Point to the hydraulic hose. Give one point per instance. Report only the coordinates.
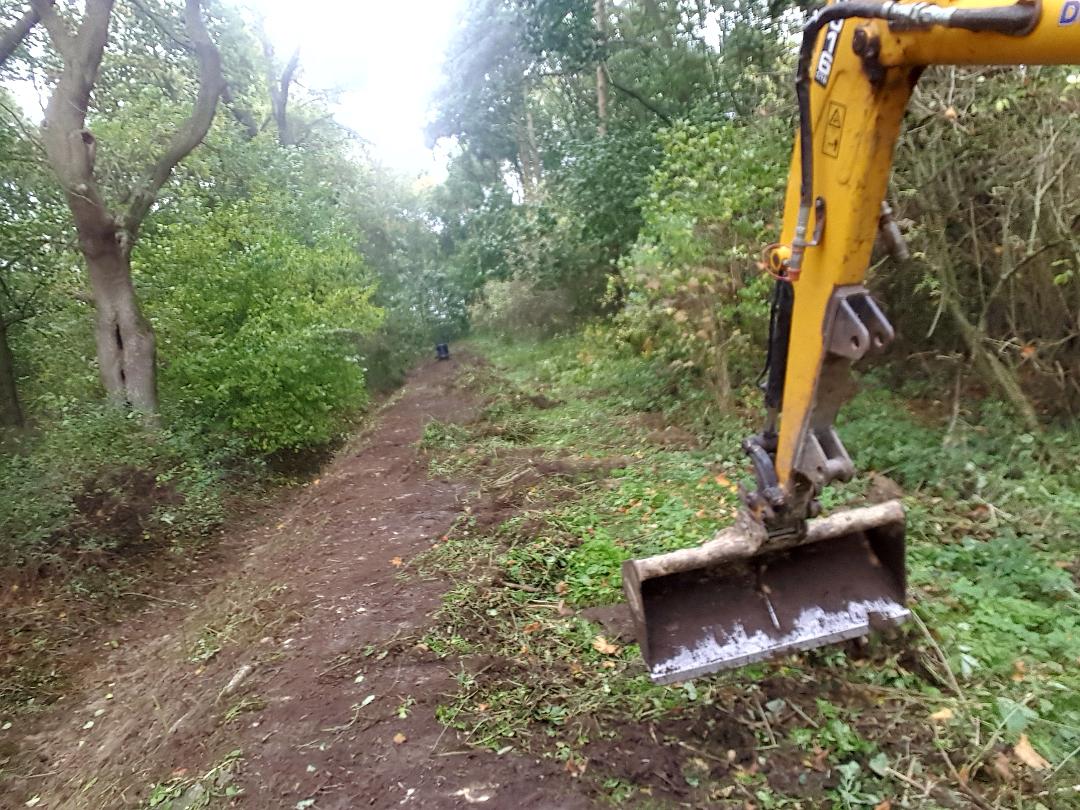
(837, 11)
(1014, 20)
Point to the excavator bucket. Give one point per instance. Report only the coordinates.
(740, 598)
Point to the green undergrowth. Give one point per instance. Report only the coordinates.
(102, 480)
(588, 456)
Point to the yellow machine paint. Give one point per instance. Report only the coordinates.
(1055, 40)
(781, 579)
(855, 129)
(856, 125)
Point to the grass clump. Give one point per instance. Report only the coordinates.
(443, 436)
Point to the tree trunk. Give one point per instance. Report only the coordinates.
(992, 369)
(124, 337)
(11, 414)
(279, 89)
(126, 348)
(534, 164)
(600, 11)
(528, 163)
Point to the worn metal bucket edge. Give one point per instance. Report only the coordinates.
(856, 631)
(747, 541)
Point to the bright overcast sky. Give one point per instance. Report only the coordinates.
(385, 57)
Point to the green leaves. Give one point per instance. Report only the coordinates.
(695, 298)
(258, 323)
(1014, 716)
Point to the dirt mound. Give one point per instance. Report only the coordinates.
(118, 506)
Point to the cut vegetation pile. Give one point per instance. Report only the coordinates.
(584, 460)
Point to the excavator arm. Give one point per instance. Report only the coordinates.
(858, 66)
(783, 578)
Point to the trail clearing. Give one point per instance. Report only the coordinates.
(436, 621)
(295, 682)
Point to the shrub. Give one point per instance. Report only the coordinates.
(521, 308)
(258, 326)
(694, 296)
(100, 479)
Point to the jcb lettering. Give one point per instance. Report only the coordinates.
(828, 51)
(1070, 12)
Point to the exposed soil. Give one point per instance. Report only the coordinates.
(663, 434)
(120, 505)
(302, 656)
(288, 670)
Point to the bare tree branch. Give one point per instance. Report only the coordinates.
(54, 23)
(192, 131)
(648, 105)
(17, 121)
(13, 37)
(164, 26)
(301, 136)
(242, 115)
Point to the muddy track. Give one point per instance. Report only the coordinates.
(303, 657)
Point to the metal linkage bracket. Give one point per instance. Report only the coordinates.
(854, 327)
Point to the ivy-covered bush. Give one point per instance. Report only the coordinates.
(695, 296)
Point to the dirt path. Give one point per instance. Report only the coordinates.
(303, 659)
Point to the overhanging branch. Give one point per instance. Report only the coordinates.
(163, 26)
(13, 37)
(644, 102)
(192, 131)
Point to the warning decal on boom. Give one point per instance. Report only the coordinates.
(834, 129)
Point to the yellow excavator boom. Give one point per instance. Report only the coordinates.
(862, 74)
(782, 578)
